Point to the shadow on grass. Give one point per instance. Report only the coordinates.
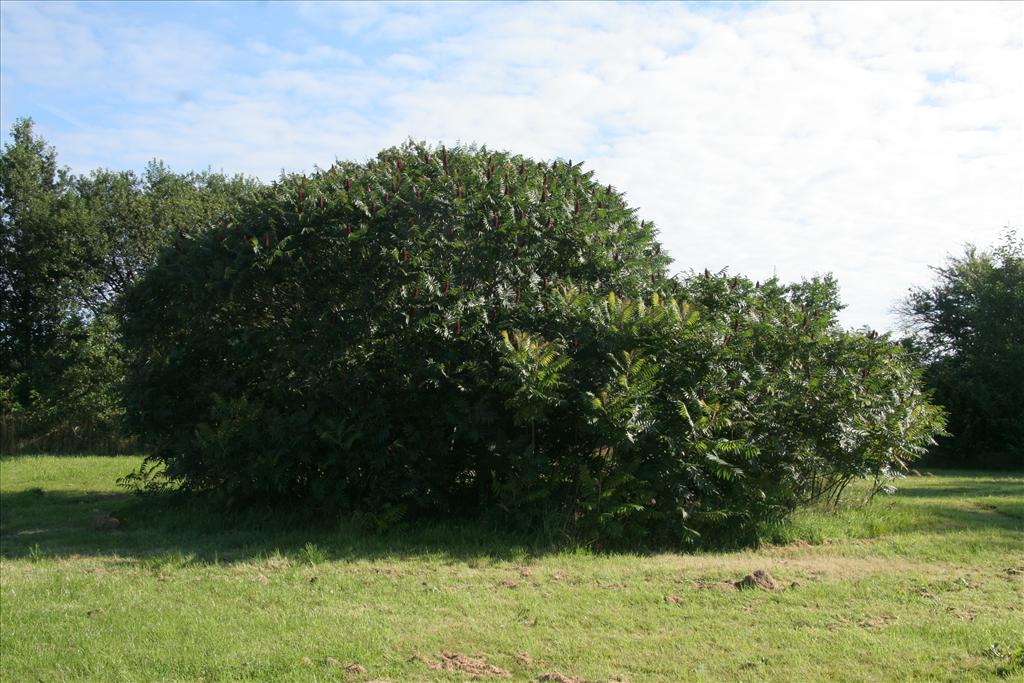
(977, 516)
(38, 523)
(975, 487)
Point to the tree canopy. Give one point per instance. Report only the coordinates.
(69, 247)
(968, 327)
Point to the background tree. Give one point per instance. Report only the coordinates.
(69, 247)
(968, 327)
(42, 261)
(130, 218)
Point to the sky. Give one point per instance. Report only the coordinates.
(864, 140)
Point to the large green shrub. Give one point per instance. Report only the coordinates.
(713, 411)
(461, 332)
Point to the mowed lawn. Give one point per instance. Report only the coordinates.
(927, 584)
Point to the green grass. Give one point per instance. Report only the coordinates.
(924, 585)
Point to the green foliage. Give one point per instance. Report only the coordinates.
(69, 246)
(39, 262)
(969, 329)
(701, 415)
(342, 333)
(312, 554)
(75, 402)
(466, 332)
(35, 553)
(130, 219)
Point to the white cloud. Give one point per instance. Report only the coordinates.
(409, 62)
(866, 140)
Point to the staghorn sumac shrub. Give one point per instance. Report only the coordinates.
(708, 413)
(457, 332)
(339, 338)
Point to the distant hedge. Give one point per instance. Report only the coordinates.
(460, 332)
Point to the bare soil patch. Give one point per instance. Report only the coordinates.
(474, 667)
(758, 579)
(555, 677)
(877, 621)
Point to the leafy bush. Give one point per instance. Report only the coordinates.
(711, 412)
(461, 332)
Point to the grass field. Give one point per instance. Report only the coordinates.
(924, 585)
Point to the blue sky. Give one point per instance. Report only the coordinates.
(866, 140)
